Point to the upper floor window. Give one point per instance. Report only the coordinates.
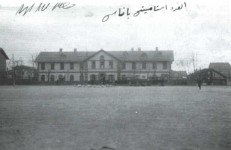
(71, 65)
(102, 62)
(43, 66)
(81, 66)
(61, 66)
(133, 65)
(165, 65)
(123, 65)
(111, 64)
(154, 65)
(52, 66)
(93, 66)
(144, 65)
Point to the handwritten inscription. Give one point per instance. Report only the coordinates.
(127, 12)
(23, 10)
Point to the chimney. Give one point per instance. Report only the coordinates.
(60, 50)
(132, 49)
(139, 49)
(75, 50)
(157, 48)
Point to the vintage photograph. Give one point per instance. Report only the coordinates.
(115, 75)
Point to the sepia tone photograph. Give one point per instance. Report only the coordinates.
(115, 75)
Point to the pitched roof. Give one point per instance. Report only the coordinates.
(220, 65)
(3, 53)
(63, 56)
(121, 55)
(143, 55)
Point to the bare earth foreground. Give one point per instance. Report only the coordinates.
(120, 118)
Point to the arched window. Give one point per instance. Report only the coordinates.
(71, 77)
(93, 77)
(111, 78)
(42, 78)
(101, 57)
(52, 77)
(124, 77)
(143, 56)
(61, 77)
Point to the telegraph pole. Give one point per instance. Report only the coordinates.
(13, 68)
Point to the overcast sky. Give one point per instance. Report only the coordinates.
(203, 27)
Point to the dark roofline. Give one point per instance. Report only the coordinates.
(93, 53)
(3, 53)
(24, 67)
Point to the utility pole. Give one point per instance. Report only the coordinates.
(13, 68)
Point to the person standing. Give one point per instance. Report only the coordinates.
(199, 83)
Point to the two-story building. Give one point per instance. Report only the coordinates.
(103, 66)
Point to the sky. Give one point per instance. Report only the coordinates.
(200, 29)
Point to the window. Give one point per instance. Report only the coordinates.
(133, 65)
(154, 65)
(52, 78)
(81, 78)
(81, 66)
(71, 66)
(111, 64)
(165, 65)
(124, 77)
(144, 65)
(143, 56)
(93, 64)
(43, 66)
(101, 62)
(93, 77)
(52, 66)
(123, 65)
(61, 66)
(42, 78)
(111, 78)
(71, 77)
(61, 77)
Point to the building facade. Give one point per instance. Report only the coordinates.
(222, 67)
(3, 58)
(103, 66)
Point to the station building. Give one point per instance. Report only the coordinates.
(103, 66)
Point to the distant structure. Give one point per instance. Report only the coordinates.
(222, 67)
(103, 66)
(23, 72)
(178, 74)
(3, 58)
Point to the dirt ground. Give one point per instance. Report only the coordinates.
(119, 118)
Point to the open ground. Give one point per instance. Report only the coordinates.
(120, 118)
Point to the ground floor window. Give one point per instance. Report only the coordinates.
(42, 78)
(52, 78)
(61, 77)
(111, 78)
(71, 77)
(124, 77)
(81, 77)
(93, 77)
